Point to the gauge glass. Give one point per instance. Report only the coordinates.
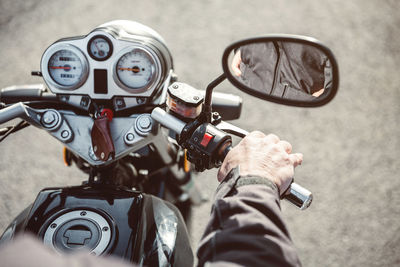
(66, 68)
(136, 69)
(100, 48)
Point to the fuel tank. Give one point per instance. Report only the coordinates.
(103, 220)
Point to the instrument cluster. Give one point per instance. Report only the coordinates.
(104, 65)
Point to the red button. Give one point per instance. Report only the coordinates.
(206, 139)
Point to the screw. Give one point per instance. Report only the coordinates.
(83, 213)
(64, 134)
(53, 225)
(95, 148)
(130, 137)
(102, 155)
(175, 86)
(196, 97)
(105, 229)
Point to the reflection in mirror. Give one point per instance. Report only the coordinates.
(283, 69)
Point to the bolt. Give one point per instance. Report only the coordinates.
(49, 117)
(196, 97)
(130, 137)
(83, 213)
(102, 155)
(105, 229)
(175, 86)
(64, 134)
(95, 148)
(145, 122)
(119, 102)
(53, 225)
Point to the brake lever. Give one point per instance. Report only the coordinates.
(231, 129)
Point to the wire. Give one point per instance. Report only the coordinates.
(12, 129)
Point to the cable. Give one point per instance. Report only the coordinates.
(12, 129)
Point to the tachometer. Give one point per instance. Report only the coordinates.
(136, 69)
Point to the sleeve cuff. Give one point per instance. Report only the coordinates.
(233, 181)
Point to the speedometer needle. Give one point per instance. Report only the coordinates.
(56, 67)
(130, 69)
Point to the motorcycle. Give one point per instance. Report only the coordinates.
(113, 100)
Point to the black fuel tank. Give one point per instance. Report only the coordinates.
(108, 221)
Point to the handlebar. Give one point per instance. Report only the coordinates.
(296, 194)
(35, 92)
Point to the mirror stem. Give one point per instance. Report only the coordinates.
(208, 97)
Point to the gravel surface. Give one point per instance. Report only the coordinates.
(350, 145)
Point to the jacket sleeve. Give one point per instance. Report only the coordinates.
(246, 227)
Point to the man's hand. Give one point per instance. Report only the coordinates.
(237, 59)
(265, 156)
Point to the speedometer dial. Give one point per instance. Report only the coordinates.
(66, 68)
(136, 69)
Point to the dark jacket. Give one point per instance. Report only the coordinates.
(246, 227)
(288, 70)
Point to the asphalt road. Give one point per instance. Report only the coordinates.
(350, 146)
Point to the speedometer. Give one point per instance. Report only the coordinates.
(136, 69)
(66, 67)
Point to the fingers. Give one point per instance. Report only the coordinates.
(256, 134)
(286, 146)
(271, 138)
(296, 158)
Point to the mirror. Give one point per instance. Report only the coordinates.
(292, 70)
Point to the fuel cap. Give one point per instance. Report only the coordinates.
(77, 230)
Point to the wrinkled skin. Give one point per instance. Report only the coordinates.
(265, 156)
